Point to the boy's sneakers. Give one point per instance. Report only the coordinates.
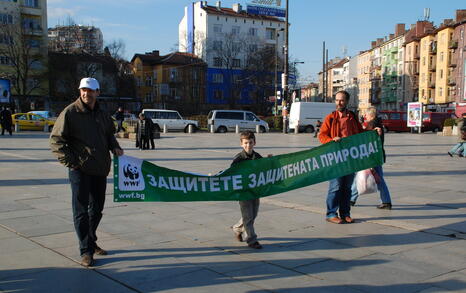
(255, 245)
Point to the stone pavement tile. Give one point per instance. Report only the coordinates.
(139, 269)
(391, 241)
(269, 276)
(6, 234)
(454, 281)
(66, 239)
(327, 248)
(33, 260)
(376, 273)
(450, 255)
(38, 225)
(22, 213)
(16, 244)
(9, 206)
(73, 279)
(202, 280)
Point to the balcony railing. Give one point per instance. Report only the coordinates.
(453, 44)
(452, 64)
(433, 49)
(432, 68)
(451, 82)
(432, 84)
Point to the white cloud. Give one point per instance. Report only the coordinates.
(57, 12)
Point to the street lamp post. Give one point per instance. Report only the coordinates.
(276, 70)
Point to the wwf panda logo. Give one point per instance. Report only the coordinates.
(131, 171)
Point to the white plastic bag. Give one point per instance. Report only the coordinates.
(365, 182)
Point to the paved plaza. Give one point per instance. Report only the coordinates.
(418, 246)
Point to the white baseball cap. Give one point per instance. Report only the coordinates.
(90, 83)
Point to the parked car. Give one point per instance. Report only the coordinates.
(172, 119)
(397, 121)
(31, 121)
(304, 115)
(226, 120)
(46, 114)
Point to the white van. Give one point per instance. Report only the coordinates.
(226, 120)
(304, 115)
(172, 119)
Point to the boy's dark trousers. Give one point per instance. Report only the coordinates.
(88, 198)
(249, 210)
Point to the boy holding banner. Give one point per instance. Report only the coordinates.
(249, 208)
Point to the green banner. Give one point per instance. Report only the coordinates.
(139, 180)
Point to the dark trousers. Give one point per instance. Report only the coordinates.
(7, 127)
(88, 198)
(120, 126)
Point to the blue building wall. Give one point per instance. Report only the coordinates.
(245, 95)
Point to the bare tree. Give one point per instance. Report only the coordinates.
(22, 52)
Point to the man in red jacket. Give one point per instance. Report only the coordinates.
(338, 124)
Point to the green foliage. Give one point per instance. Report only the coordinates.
(274, 122)
(201, 119)
(449, 122)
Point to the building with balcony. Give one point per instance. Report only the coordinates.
(428, 52)
(23, 40)
(444, 65)
(412, 59)
(243, 51)
(350, 82)
(457, 80)
(76, 39)
(174, 81)
(364, 82)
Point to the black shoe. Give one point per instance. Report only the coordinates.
(352, 203)
(385, 206)
(255, 245)
(450, 154)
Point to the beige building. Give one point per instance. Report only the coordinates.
(24, 41)
(364, 80)
(444, 65)
(427, 68)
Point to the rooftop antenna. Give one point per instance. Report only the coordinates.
(426, 13)
(344, 51)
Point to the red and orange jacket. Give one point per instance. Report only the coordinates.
(331, 126)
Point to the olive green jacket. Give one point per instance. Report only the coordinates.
(83, 138)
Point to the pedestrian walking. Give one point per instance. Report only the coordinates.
(6, 121)
(372, 122)
(82, 139)
(244, 228)
(459, 148)
(120, 117)
(143, 128)
(318, 126)
(338, 124)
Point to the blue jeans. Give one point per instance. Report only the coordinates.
(458, 149)
(88, 198)
(382, 186)
(338, 197)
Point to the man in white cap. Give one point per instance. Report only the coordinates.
(82, 138)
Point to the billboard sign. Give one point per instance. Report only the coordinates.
(414, 114)
(267, 11)
(5, 90)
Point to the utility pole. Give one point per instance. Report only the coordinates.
(323, 73)
(285, 71)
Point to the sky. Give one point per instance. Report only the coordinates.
(146, 25)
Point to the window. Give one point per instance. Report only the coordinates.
(236, 63)
(253, 31)
(236, 47)
(31, 3)
(31, 23)
(441, 56)
(217, 28)
(173, 74)
(270, 33)
(5, 60)
(36, 64)
(441, 73)
(33, 43)
(235, 30)
(251, 117)
(217, 45)
(218, 94)
(148, 80)
(6, 39)
(236, 78)
(218, 62)
(424, 61)
(217, 78)
(440, 91)
(148, 97)
(6, 18)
